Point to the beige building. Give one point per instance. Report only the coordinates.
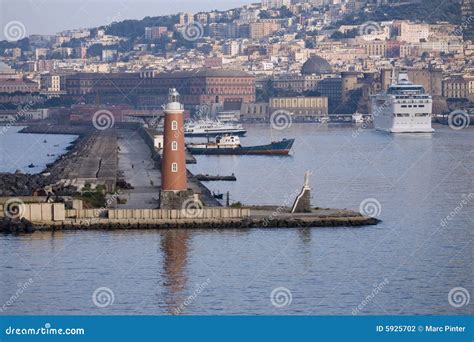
(9, 85)
(470, 86)
(262, 29)
(455, 87)
(413, 33)
(298, 83)
(376, 48)
(301, 108)
(258, 111)
(274, 4)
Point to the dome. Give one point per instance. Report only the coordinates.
(316, 65)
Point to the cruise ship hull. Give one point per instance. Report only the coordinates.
(406, 131)
(389, 115)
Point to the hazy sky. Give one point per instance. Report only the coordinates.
(51, 16)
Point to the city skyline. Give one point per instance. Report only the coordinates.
(64, 15)
(309, 158)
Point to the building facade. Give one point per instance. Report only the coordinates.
(263, 29)
(149, 90)
(13, 85)
(456, 88)
(301, 108)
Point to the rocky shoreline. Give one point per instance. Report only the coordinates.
(21, 184)
(23, 226)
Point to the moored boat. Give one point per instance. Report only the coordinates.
(357, 118)
(230, 145)
(204, 128)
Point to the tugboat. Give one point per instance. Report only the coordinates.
(31, 166)
(230, 145)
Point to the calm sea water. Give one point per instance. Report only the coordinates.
(18, 151)
(406, 265)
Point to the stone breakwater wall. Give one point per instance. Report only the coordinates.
(25, 226)
(68, 166)
(20, 184)
(54, 216)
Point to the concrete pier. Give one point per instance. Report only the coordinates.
(99, 164)
(54, 216)
(137, 167)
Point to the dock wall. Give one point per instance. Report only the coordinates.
(56, 212)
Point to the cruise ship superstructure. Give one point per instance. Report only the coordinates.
(403, 108)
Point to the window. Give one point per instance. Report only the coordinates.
(174, 167)
(174, 146)
(174, 125)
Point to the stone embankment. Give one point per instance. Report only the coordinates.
(20, 184)
(227, 218)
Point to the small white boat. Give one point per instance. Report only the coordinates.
(357, 118)
(207, 127)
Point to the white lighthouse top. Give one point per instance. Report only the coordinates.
(173, 100)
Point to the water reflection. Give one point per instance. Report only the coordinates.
(174, 246)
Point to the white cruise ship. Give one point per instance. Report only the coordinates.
(208, 127)
(403, 108)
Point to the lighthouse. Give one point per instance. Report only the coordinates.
(174, 185)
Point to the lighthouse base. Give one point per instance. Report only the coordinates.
(176, 199)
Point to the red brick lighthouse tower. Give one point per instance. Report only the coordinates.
(174, 185)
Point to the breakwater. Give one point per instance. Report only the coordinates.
(91, 158)
(28, 218)
(22, 184)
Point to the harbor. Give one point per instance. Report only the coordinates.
(159, 191)
(175, 260)
(54, 217)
